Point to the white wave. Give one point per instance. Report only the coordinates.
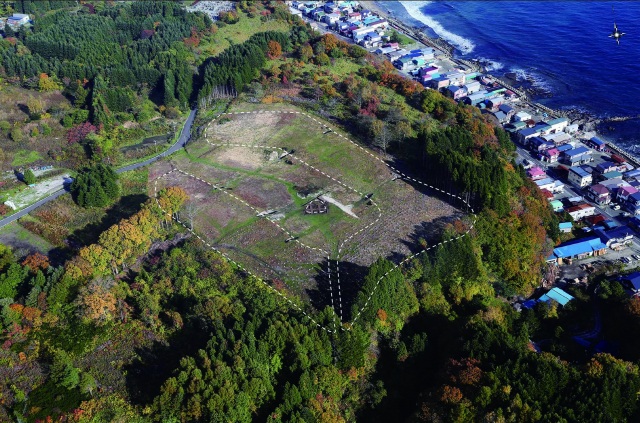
(413, 9)
(537, 81)
(490, 65)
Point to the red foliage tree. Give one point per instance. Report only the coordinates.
(36, 261)
(79, 132)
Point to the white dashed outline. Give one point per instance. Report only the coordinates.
(340, 247)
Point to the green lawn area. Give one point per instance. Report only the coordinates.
(227, 35)
(16, 236)
(25, 157)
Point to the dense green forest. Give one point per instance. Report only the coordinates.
(148, 325)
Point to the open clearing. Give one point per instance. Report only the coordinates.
(257, 167)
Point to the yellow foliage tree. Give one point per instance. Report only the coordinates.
(45, 83)
(96, 302)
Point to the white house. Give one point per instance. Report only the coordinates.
(456, 78)
(579, 177)
(17, 20)
(581, 210)
(522, 116)
(558, 124)
(573, 128)
(472, 87)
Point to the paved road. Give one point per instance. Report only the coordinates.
(180, 143)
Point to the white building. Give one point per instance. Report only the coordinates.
(579, 177)
(472, 87)
(558, 124)
(522, 116)
(581, 210)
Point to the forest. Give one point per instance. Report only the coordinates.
(146, 324)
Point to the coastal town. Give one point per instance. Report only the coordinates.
(593, 186)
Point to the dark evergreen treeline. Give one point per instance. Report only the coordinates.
(38, 7)
(83, 46)
(239, 64)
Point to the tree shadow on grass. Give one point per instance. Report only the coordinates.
(326, 292)
(123, 209)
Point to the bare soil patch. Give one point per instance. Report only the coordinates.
(240, 157)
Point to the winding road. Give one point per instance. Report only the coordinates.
(180, 143)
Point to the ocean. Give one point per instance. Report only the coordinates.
(561, 47)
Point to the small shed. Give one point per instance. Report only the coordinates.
(565, 227)
(558, 295)
(557, 206)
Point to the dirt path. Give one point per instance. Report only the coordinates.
(346, 209)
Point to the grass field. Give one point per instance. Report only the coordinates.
(228, 35)
(239, 161)
(25, 157)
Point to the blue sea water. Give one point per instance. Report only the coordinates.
(563, 46)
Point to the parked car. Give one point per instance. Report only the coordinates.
(616, 207)
(626, 214)
(635, 256)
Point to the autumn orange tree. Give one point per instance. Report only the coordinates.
(274, 49)
(36, 261)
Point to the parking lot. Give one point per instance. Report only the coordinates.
(583, 268)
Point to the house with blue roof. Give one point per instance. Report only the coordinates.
(577, 156)
(632, 282)
(578, 249)
(564, 147)
(558, 295)
(606, 166)
(631, 174)
(565, 227)
(616, 237)
(579, 177)
(525, 134)
(598, 144)
(543, 128)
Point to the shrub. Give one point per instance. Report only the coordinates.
(46, 129)
(29, 177)
(4, 125)
(17, 135)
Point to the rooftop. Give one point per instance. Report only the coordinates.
(576, 247)
(577, 151)
(579, 171)
(599, 189)
(613, 174)
(621, 232)
(633, 279)
(597, 141)
(565, 225)
(557, 121)
(557, 295)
